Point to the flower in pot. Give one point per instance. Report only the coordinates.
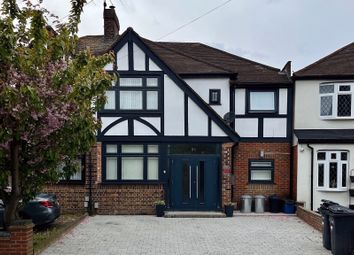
(160, 206)
(229, 209)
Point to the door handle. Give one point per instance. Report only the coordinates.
(190, 181)
(197, 181)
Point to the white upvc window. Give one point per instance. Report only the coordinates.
(332, 170)
(336, 100)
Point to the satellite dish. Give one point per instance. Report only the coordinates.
(229, 117)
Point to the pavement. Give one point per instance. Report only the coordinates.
(151, 235)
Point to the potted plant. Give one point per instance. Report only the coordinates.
(160, 206)
(229, 209)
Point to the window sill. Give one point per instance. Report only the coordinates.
(132, 182)
(336, 118)
(214, 103)
(332, 190)
(261, 182)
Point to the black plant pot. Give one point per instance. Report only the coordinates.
(229, 210)
(160, 210)
(352, 178)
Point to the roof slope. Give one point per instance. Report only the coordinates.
(338, 63)
(197, 58)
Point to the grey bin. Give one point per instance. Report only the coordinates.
(259, 203)
(246, 203)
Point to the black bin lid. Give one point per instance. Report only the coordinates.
(338, 210)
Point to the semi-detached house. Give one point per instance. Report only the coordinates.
(185, 122)
(324, 129)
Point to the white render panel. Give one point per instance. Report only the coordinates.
(108, 67)
(283, 101)
(123, 59)
(202, 87)
(139, 58)
(247, 127)
(307, 108)
(216, 130)
(174, 108)
(153, 66)
(197, 120)
(240, 101)
(121, 129)
(274, 127)
(304, 175)
(106, 121)
(142, 129)
(156, 122)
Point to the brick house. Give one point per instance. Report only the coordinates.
(324, 134)
(185, 122)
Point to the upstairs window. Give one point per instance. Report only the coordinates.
(214, 96)
(336, 100)
(262, 101)
(134, 94)
(332, 170)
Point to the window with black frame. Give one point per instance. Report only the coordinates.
(131, 162)
(78, 176)
(262, 101)
(261, 171)
(134, 94)
(214, 96)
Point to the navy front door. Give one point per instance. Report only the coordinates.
(194, 182)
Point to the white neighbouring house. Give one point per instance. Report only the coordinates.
(324, 129)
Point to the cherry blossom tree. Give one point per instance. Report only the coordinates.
(49, 94)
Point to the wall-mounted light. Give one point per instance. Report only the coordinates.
(302, 149)
(261, 153)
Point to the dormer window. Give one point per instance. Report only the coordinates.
(336, 100)
(214, 96)
(134, 94)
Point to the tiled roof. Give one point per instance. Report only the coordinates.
(339, 63)
(197, 58)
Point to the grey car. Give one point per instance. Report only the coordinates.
(43, 209)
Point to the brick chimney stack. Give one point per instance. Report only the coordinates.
(111, 23)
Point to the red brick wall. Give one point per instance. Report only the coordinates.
(111, 199)
(19, 240)
(226, 173)
(279, 152)
(310, 217)
(71, 197)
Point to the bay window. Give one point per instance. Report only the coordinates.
(130, 162)
(134, 94)
(336, 100)
(332, 170)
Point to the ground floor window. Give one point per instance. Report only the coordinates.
(332, 170)
(261, 171)
(78, 175)
(131, 162)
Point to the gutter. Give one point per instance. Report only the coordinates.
(311, 203)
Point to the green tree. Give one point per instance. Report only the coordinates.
(49, 94)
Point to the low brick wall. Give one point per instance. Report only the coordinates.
(18, 240)
(310, 217)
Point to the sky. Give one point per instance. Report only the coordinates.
(267, 31)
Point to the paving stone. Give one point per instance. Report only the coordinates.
(149, 235)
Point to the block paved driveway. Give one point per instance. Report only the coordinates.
(151, 235)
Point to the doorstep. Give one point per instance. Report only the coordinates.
(238, 213)
(194, 214)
